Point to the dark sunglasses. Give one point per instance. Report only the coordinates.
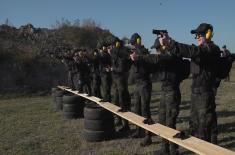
(199, 35)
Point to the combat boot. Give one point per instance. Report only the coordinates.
(104, 100)
(122, 110)
(148, 121)
(89, 95)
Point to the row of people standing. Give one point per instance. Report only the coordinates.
(96, 72)
(107, 66)
(171, 70)
(114, 67)
(206, 66)
(78, 67)
(111, 62)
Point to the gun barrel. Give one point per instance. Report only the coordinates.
(158, 32)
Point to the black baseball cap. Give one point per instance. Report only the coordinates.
(134, 37)
(202, 28)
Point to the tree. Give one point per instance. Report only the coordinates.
(8, 23)
(90, 23)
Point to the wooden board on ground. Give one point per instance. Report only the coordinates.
(192, 143)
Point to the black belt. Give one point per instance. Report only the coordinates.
(170, 88)
(201, 89)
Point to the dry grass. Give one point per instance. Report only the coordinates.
(29, 125)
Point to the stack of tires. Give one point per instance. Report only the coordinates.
(53, 92)
(58, 99)
(73, 106)
(98, 123)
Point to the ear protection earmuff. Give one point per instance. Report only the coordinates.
(138, 41)
(117, 44)
(209, 34)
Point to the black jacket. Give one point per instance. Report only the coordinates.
(105, 61)
(120, 61)
(204, 62)
(95, 64)
(171, 68)
(70, 65)
(83, 66)
(141, 70)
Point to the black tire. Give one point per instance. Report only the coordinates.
(53, 98)
(59, 103)
(96, 136)
(59, 93)
(71, 115)
(99, 125)
(73, 106)
(73, 99)
(95, 112)
(53, 90)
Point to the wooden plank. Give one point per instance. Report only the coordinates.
(192, 143)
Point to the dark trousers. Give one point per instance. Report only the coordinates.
(106, 82)
(121, 96)
(71, 80)
(168, 112)
(82, 83)
(142, 97)
(203, 122)
(96, 82)
(121, 93)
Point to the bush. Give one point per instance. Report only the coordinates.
(25, 64)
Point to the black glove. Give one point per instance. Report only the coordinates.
(148, 121)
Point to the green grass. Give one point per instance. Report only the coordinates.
(29, 125)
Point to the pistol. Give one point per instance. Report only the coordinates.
(159, 32)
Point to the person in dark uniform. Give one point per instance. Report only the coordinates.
(171, 72)
(142, 95)
(69, 63)
(120, 67)
(110, 40)
(227, 57)
(83, 72)
(204, 64)
(105, 71)
(95, 74)
(226, 53)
